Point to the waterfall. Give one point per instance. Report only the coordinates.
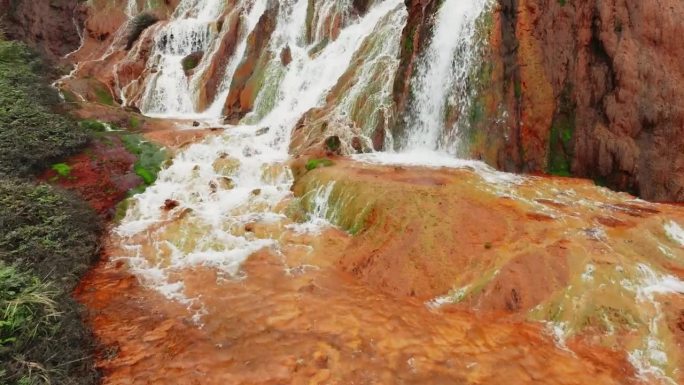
(231, 180)
(191, 30)
(131, 8)
(441, 81)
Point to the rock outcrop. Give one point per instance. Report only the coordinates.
(591, 89)
(50, 27)
(249, 75)
(517, 248)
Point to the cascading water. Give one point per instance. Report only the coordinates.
(191, 30)
(231, 180)
(442, 77)
(131, 8)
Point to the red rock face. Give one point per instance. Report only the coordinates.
(48, 26)
(594, 89)
(214, 74)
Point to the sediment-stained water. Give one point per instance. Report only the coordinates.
(296, 319)
(246, 264)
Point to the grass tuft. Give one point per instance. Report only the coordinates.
(48, 239)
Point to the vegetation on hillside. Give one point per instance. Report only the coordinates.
(47, 240)
(32, 136)
(48, 237)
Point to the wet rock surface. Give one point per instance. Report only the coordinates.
(316, 325)
(102, 174)
(432, 275)
(471, 291)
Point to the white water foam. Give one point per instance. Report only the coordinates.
(443, 70)
(436, 159)
(207, 232)
(650, 359)
(675, 232)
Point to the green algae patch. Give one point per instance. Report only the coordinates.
(150, 156)
(339, 202)
(561, 147)
(313, 164)
(268, 90)
(103, 94)
(94, 126)
(62, 169)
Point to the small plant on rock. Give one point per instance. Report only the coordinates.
(62, 169)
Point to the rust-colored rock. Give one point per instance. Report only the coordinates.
(213, 76)
(50, 27)
(593, 90)
(248, 76)
(170, 204)
(103, 174)
(316, 325)
(286, 56)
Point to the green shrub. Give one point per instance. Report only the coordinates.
(139, 24)
(32, 137)
(49, 231)
(26, 304)
(27, 313)
(93, 125)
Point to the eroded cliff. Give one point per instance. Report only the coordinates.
(590, 89)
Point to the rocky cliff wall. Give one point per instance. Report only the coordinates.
(591, 89)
